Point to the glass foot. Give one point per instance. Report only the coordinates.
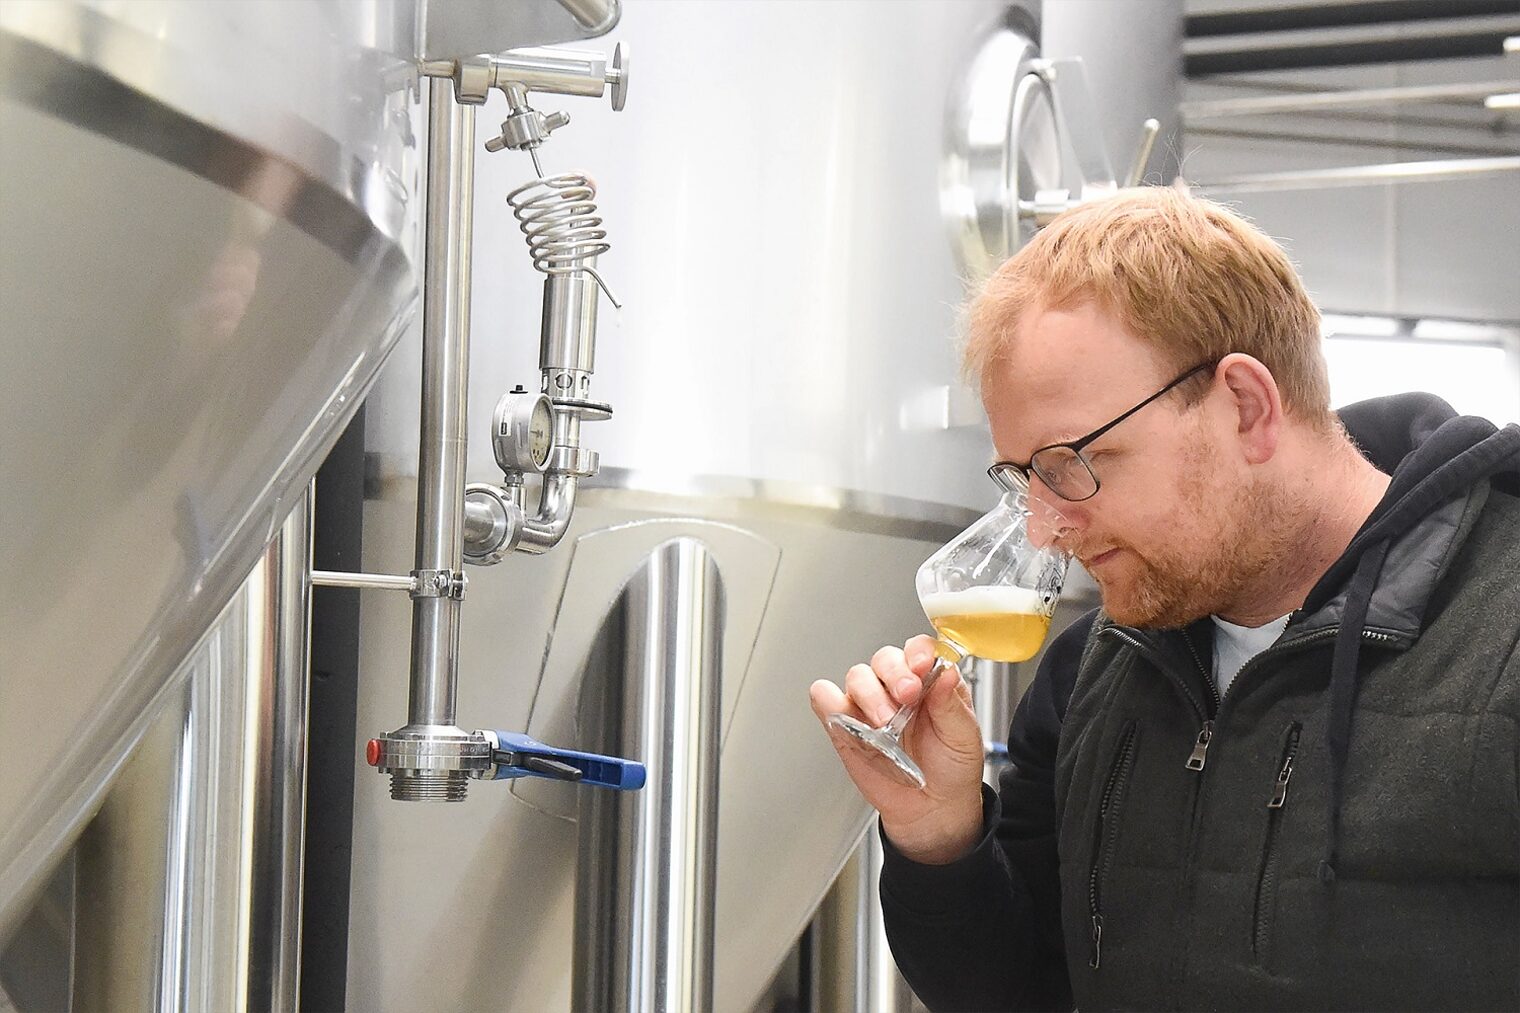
(883, 742)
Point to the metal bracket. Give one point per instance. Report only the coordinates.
(439, 584)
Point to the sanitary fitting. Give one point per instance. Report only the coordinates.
(430, 763)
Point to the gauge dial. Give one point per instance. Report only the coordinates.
(523, 432)
(540, 432)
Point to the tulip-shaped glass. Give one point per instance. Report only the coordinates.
(989, 592)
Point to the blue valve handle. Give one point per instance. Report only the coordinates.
(595, 769)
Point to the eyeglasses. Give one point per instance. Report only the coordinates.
(1062, 466)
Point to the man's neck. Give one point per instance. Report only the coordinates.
(1325, 512)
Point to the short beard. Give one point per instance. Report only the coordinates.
(1246, 534)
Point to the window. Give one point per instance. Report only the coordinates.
(1474, 367)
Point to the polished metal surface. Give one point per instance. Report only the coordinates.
(561, 71)
(1269, 105)
(275, 737)
(189, 878)
(556, 505)
(204, 262)
(1360, 175)
(371, 581)
(1001, 146)
(774, 260)
(788, 817)
(37, 964)
(646, 885)
(467, 27)
(429, 758)
(593, 14)
(855, 972)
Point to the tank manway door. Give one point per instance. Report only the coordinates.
(1022, 144)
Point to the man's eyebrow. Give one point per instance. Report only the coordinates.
(1062, 436)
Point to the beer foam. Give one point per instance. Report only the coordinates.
(982, 601)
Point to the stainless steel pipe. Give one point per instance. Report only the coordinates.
(1360, 175)
(364, 581)
(645, 898)
(556, 504)
(596, 16)
(275, 744)
(854, 971)
(445, 375)
(189, 879)
(567, 341)
(1270, 105)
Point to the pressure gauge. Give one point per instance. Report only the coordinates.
(522, 431)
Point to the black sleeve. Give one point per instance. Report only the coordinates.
(984, 932)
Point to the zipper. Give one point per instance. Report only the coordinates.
(1161, 666)
(1203, 670)
(1198, 758)
(1106, 834)
(1201, 747)
(1280, 788)
(1266, 882)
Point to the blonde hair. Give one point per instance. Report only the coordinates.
(1187, 275)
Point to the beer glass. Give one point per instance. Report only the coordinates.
(989, 592)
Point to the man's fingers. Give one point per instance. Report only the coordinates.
(864, 688)
(919, 653)
(828, 699)
(891, 667)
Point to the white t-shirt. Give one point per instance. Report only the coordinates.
(1236, 645)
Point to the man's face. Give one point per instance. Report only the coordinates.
(1169, 536)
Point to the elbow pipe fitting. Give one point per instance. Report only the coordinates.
(495, 524)
(556, 503)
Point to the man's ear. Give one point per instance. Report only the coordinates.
(1257, 403)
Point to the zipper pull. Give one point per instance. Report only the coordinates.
(1097, 941)
(1280, 789)
(1201, 747)
(1285, 772)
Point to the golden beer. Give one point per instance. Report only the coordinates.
(996, 623)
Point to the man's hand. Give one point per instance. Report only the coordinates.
(943, 821)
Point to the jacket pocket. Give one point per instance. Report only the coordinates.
(1106, 831)
(1265, 906)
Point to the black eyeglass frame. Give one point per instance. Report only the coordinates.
(1013, 477)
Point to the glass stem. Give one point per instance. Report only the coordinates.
(905, 713)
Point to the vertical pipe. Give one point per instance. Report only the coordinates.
(202, 834)
(645, 906)
(275, 744)
(856, 972)
(445, 372)
(995, 691)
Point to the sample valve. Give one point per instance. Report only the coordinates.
(540, 433)
(431, 757)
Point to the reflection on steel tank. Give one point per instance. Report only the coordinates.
(785, 380)
(206, 257)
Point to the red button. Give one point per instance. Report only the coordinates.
(372, 752)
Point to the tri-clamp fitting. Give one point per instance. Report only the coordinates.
(433, 762)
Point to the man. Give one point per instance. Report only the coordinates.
(1278, 767)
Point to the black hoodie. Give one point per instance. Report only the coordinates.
(1341, 831)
